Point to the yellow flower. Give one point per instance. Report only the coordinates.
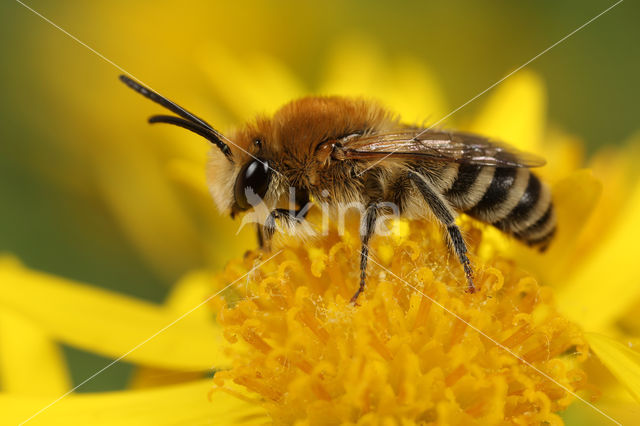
(416, 349)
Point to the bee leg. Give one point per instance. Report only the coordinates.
(266, 231)
(367, 227)
(260, 235)
(291, 217)
(460, 248)
(443, 212)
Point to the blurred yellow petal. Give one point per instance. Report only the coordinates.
(187, 293)
(31, 363)
(630, 323)
(575, 198)
(579, 192)
(215, 230)
(606, 285)
(405, 86)
(412, 92)
(354, 69)
(564, 153)
(192, 289)
(150, 377)
(257, 84)
(135, 187)
(622, 361)
(617, 169)
(187, 404)
(515, 113)
(110, 324)
(624, 412)
(191, 176)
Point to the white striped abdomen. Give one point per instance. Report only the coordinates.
(512, 199)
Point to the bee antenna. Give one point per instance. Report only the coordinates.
(161, 100)
(209, 134)
(190, 122)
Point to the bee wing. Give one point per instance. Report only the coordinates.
(446, 146)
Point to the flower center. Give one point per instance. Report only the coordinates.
(416, 348)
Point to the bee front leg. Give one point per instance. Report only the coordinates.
(289, 217)
(260, 235)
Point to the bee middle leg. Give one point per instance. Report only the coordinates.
(367, 228)
(443, 212)
(374, 206)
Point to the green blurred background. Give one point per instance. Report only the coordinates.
(55, 91)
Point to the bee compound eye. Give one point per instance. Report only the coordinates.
(252, 183)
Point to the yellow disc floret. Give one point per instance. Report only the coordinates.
(417, 349)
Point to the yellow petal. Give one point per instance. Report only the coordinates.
(137, 191)
(630, 322)
(616, 168)
(354, 69)
(564, 154)
(110, 324)
(605, 286)
(150, 377)
(626, 413)
(187, 293)
(257, 84)
(192, 289)
(186, 404)
(515, 112)
(408, 88)
(412, 91)
(622, 361)
(215, 230)
(31, 363)
(191, 176)
(579, 192)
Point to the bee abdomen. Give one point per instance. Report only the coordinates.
(533, 219)
(541, 232)
(513, 200)
(506, 189)
(469, 186)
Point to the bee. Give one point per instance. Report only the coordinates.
(338, 150)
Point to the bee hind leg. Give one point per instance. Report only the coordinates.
(444, 213)
(460, 248)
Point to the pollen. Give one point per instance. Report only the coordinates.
(416, 349)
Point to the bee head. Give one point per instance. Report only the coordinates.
(238, 180)
(245, 182)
